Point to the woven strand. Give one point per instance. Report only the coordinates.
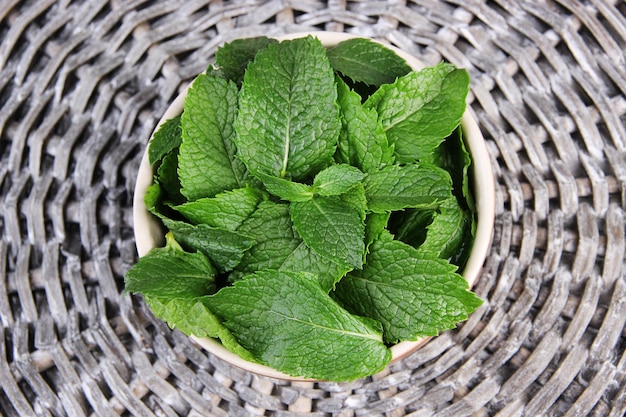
(82, 85)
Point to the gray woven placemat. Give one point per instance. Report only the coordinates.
(82, 84)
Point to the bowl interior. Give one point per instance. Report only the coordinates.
(149, 233)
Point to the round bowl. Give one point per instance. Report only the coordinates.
(149, 233)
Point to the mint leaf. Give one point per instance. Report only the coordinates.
(155, 204)
(375, 226)
(163, 156)
(167, 177)
(287, 322)
(303, 258)
(363, 60)
(447, 231)
(226, 210)
(275, 239)
(167, 138)
(453, 156)
(332, 228)
(421, 109)
(288, 120)
(337, 179)
(152, 199)
(207, 163)
(169, 272)
(356, 200)
(279, 247)
(286, 189)
(224, 248)
(233, 58)
(192, 317)
(397, 187)
(410, 294)
(362, 142)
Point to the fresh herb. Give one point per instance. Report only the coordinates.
(362, 60)
(206, 162)
(316, 203)
(419, 110)
(285, 319)
(416, 294)
(288, 120)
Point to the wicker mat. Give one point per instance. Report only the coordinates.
(82, 84)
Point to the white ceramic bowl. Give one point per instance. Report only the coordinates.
(149, 233)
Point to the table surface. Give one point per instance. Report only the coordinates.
(82, 85)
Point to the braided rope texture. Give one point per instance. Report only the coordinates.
(82, 85)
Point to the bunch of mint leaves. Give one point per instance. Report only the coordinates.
(316, 206)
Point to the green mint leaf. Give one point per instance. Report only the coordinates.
(289, 323)
(232, 58)
(225, 248)
(192, 317)
(207, 163)
(421, 109)
(375, 226)
(226, 210)
(163, 156)
(397, 187)
(449, 235)
(303, 258)
(275, 239)
(167, 177)
(332, 228)
(279, 247)
(355, 198)
(169, 272)
(463, 176)
(410, 294)
(453, 156)
(337, 179)
(446, 233)
(152, 199)
(288, 119)
(362, 142)
(167, 138)
(286, 189)
(363, 60)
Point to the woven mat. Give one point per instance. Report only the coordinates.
(82, 85)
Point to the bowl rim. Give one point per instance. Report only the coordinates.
(149, 234)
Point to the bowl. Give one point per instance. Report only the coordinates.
(149, 232)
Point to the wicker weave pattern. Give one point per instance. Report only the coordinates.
(82, 84)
